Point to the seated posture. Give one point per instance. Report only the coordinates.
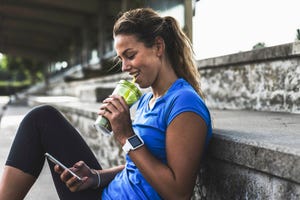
(172, 125)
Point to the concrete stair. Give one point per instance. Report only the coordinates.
(255, 155)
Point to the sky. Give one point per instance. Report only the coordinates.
(222, 27)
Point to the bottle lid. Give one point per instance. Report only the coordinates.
(132, 87)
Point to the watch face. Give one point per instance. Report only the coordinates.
(135, 141)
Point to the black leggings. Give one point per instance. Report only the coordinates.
(44, 129)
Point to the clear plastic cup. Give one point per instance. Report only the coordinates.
(130, 92)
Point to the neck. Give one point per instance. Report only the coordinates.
(162, 91)
(164, 80)
(163, 85)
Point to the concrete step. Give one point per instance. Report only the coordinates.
(265, 141)
(254, 154)
(96, 93)
(91, 90)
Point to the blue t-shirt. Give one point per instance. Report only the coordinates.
(151, 125)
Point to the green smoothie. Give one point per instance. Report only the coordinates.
(130, 92)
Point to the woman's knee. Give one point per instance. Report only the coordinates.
(44, 110)
(41, 113)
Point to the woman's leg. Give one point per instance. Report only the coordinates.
(42, 130)
(14, 178)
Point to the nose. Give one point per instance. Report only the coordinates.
(125, 66)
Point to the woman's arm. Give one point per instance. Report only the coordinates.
(107, 175)
(185, 140)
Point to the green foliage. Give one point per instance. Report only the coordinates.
(3, 64)
(298, 34)
(259, 45)
(21, 70)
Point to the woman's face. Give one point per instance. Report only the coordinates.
(139, 61)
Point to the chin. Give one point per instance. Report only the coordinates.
(143, 85)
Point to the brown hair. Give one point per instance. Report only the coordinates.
(146, 25)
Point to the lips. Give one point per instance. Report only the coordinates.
(134, 75)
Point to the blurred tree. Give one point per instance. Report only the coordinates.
(21, 69)
(298, 34)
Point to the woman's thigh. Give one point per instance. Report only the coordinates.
(45, 129)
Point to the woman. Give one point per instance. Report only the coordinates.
(171, 129)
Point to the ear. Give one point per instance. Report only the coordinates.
(159, 46)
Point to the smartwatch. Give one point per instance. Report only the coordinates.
(132, 143)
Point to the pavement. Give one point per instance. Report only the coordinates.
(11, 117)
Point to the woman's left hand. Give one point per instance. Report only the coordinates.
(89, 177)
(115, 109)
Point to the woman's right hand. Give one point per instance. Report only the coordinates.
(115, 109)
(89, 177)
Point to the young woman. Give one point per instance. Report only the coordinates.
(164, 144)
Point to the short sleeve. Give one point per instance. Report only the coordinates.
(188, 101)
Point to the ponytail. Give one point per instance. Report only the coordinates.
(181, 55)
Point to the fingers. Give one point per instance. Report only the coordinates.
(65, 176)
(116, 99)
(72, 182)
(58, 169)
(119, 98)
(115, 109)
(113, 104)
(79, 164)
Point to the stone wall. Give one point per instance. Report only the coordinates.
(108, 152)
(267, 79)
(223, 180)
(245, 160)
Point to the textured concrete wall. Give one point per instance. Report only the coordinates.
(223, 180)
(265, 79)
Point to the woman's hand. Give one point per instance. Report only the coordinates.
(89, 177)
(115, 109)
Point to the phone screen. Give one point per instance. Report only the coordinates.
(55, 161)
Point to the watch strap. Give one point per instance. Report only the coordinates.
(137, 142)
(127, 147)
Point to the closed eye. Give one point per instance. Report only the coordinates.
(131, 56)
(126, 55)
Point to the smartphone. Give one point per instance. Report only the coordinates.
(55, 161)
